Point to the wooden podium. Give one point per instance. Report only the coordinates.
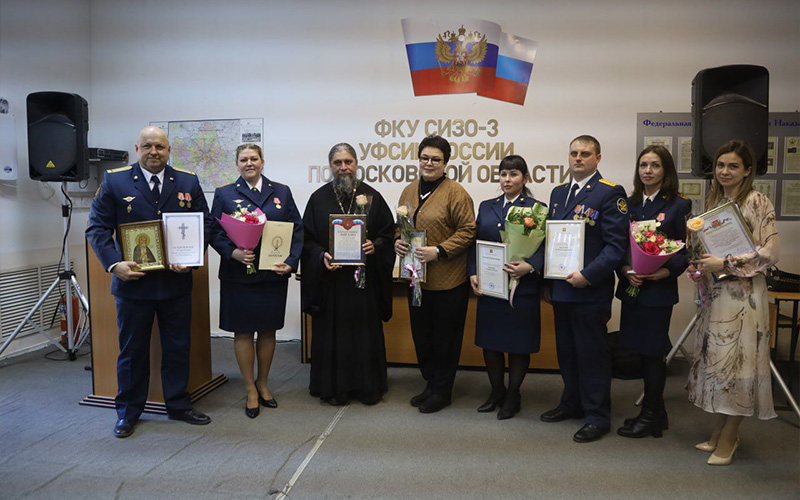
(105, 342)
(400, 346)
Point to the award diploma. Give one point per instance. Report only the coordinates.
(184, 238)
(723, 232)
(564, 248)
(347, 234)
(276, 242)
(491, 257)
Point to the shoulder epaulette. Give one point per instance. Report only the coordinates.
(120, 169)
(562, 184)
(682, 196)
(225, 185)
(276, 182)
(185, 171)
(608, 183)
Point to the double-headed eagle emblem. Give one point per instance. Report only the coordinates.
(460, 52)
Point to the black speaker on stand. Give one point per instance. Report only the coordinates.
(729, 102)
(58, 127)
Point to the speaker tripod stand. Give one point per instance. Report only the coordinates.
(679, 346)
(67, 278)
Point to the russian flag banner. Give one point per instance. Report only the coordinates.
(514, 68)
(451, 55)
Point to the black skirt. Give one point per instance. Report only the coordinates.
(499, 327)
(250, 307)
(645, 329)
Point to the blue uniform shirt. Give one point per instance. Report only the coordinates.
(125, 196)
(604, 207)
(275, 200)
(490, 222)
(672, 215)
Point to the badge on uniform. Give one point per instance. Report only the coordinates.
(586, 213)
(129, 199)
(622, 206)
(661, 217)
(277, 202)
(238, 201)
(188, 200)
(181, 199)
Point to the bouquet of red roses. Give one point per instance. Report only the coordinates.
(244, 228)
(650, 249)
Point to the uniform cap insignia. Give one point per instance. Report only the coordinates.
(458, 53)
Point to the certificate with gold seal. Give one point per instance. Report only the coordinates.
(564, 244)
(492, 279)
(347, 234)
(276, 242)
(723, 231)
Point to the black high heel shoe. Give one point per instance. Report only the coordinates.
(269, 403)
(509, 407)
(490, 404)
(251, 412)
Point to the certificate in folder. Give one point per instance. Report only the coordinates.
(276, 242)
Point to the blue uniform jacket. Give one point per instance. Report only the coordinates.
(672, 215)
(604, 206)
(490, 222)
(125, 196)
(276, 201)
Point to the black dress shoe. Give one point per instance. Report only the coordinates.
(509, 408)
(662, 416)
(647, 424)
(370, 398)
(337, 400)
(490, 404)
(434, 403)
(269, 403)
(558, 415)
(420, 398)
(252, 412)
(123, 428)
(190, 416)
(589, 433)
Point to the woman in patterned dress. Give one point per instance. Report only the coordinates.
(730, 373)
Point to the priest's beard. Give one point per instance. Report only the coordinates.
(343, 185)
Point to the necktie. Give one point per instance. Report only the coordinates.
(506, 206)
(156, 192)
(646, 201)
(572, 192)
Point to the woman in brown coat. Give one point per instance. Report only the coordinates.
(444, 210)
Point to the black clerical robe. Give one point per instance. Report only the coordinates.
(348, 354)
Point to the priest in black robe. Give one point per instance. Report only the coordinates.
(348, 354)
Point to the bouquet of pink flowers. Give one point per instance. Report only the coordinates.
(244, 228)
(650, 249)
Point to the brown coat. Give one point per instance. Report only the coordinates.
(448, 217)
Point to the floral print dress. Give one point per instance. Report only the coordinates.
(730, 372)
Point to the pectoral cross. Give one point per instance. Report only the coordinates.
(183, 227)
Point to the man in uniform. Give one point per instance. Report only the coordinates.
(582, 302)
(140, 192)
